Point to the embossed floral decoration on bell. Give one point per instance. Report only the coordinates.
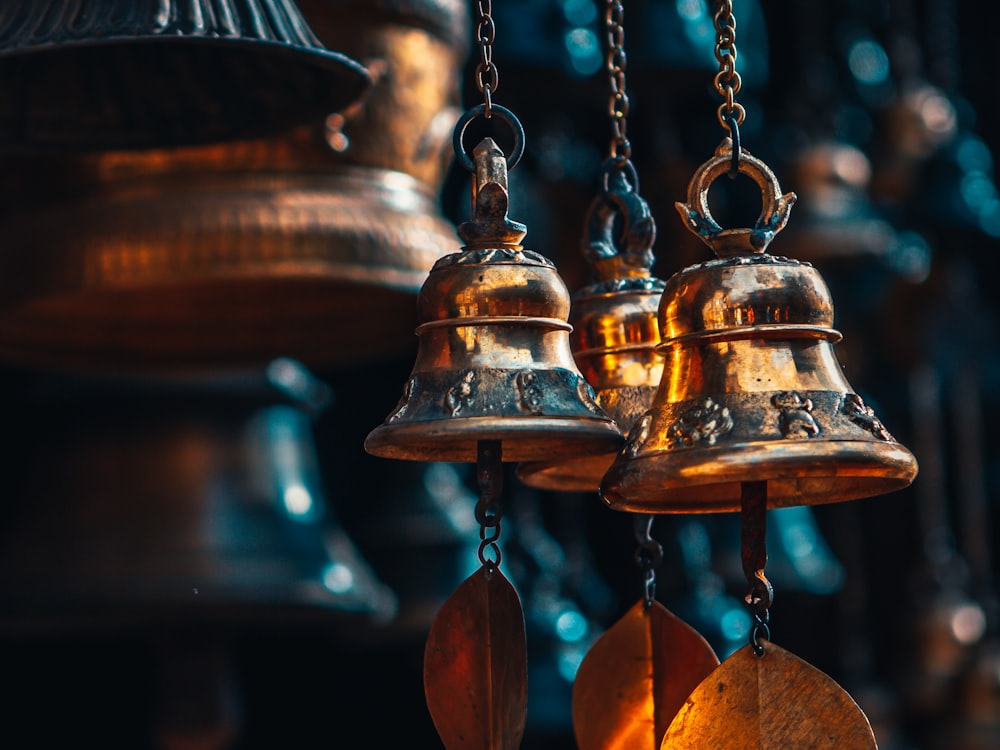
(752, 390)
(494, 360)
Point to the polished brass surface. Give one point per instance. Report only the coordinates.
(752, 390)
(311, 244)
(769, 701)
(476, 666)
(636, 677)
(99, 74)
(494, 361)
(615, 331)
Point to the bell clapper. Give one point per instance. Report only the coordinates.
(753, 549)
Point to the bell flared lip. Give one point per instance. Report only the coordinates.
(523, 438)
(708, 480)
(345, 81)
(575, 474)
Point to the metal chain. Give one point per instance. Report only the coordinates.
(621, 149)
(648, 555)
(727, 81)
(489, 474)
(487, 75)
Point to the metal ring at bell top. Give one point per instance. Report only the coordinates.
(495, 110)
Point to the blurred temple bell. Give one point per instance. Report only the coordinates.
(310, 243)
(178, 501)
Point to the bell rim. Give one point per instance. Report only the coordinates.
(455, 440)
(579, 474)
(797, 473)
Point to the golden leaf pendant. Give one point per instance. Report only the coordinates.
(636, 677)
(770, 702)
(476, 666)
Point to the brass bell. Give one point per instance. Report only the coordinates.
(98, 74)
(752, 390)
(615, 335)
(493, 360)
(311, 243)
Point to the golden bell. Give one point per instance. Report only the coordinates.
(615, 333)
(99, 74)
(493, 359)
(312, 243)
(752, 390)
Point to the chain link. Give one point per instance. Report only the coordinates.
(489, 474)
(618, 105)
(487, 75)
(727, 81)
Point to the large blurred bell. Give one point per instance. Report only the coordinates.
(312, 243)
(493, 360)
(97, 74)
(752, 390)
(615, 335)
(194, 500)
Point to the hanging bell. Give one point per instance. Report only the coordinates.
(191, 500)
(493, 359)
(311, 243)
(99, 74)
(615, 334)
(752, 390)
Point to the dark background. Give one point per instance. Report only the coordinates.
(872, 600)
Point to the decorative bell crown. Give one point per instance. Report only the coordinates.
(615, 334)
(493, 360)
(752, 390)
(95, 74)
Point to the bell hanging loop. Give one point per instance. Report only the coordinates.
(614, 319)
(494, 360)
(752, 390)
(697, 215)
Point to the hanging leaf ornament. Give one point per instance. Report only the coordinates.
(475, 665)
(636, 677)
(770, 702)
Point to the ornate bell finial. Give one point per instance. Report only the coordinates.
(98, 74)
(615, 334)
(752, 390)
(493, 359)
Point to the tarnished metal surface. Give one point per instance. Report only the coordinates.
(635, 678)
(752, 389)
(772, 701)
(494, 361)
(475, 666)
(615, 332)
(154, 73)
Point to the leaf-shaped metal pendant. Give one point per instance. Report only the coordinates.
(476, 666)
(636, 677)
(769, 702)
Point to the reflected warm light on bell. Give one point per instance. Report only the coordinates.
(752, 389)
(494, 360)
